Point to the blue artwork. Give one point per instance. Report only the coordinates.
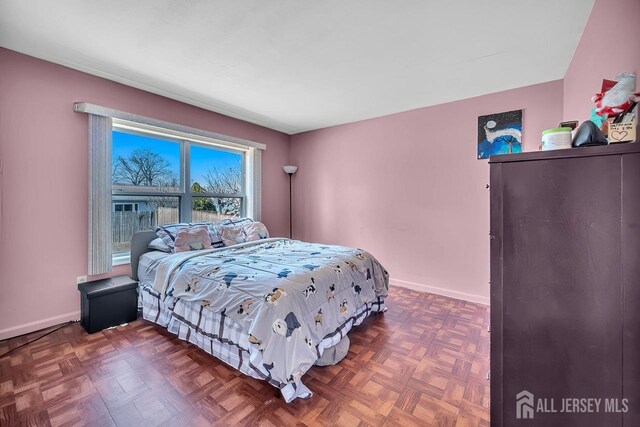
(500, 133)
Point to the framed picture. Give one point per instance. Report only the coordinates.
(499, 133)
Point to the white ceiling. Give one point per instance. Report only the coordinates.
(297, 65)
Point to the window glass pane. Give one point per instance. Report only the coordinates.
(215, 208)
(215, 171)
(151, 211)
(144, 163)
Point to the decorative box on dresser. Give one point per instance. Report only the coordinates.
(565, 284)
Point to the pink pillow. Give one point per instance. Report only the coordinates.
(192, 239)
(255, 231)
(235, 234)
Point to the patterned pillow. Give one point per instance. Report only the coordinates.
(232, 234)
(247, 232)
(192, 239)
(214, 229)
(255, 231)
(214, 235)
(236, 221)
(168, 232)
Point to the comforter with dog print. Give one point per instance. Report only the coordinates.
(290, 297)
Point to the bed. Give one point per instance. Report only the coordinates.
(269, 308)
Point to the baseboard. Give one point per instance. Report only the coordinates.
(26, 328)
(421, 287)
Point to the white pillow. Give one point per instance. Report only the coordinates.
(159, 245)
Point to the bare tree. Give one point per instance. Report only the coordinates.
(142, 167)
(224, 181)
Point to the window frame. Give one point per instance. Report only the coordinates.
(189, 195)
(184, 194)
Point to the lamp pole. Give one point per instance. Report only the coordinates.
(290, 209)
(290, 170)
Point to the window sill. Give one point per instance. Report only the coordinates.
(121, 260)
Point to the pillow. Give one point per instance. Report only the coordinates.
(214, 229)
(246, 232)
(159, 245)
(255, 231)
(236, 221)
(214, 233)
(192, 239)
(168, 232)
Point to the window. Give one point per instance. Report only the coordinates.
(166, 196)
(125, 207)
(162, 179)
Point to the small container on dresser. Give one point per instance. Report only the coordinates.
(108, 302)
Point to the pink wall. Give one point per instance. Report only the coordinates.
(43, 181)
(610, 44)
(409, 189)
(406, 187)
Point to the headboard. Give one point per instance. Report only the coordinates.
(139, 246)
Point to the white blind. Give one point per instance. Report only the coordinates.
(99, 194)
(254, 184)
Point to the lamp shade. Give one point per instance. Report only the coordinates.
(290, 169)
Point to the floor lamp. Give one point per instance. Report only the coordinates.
(290, 170)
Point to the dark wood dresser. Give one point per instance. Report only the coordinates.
(565, 286)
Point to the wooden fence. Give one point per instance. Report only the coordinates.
(124, 224)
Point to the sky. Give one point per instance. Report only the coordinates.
(201, 157)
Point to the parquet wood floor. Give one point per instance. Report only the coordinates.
(423, 362)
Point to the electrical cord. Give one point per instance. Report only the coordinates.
(41, 336)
